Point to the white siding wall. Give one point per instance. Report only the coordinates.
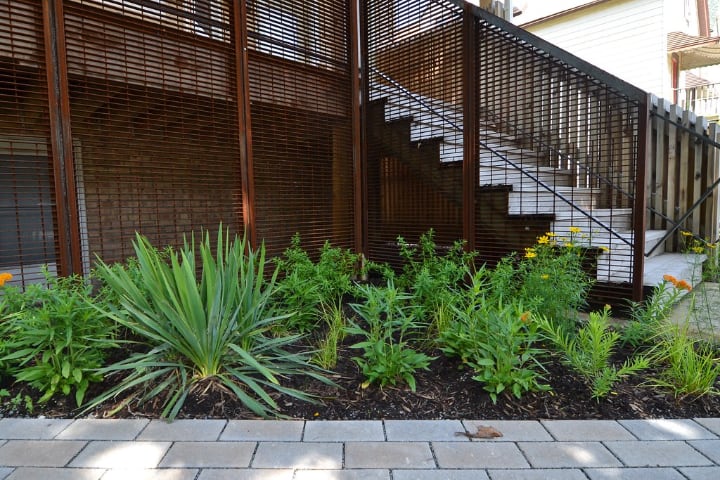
(627, 38)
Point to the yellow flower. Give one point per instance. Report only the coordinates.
(712, 245)
(530, 253)
(685, 233)
(544, 276)
(575, 230)
(697, 249)
(544, 240)
(604, 249)
(569, 245)
(550, 234)
(5, 277)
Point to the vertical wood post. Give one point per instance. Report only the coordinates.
(359, 88)
(244, 124)
(470, 126)
(644, 148)
(68, 224)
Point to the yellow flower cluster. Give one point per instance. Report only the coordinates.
(530, 253)
(5, 277)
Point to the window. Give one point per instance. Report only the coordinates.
(285, 29)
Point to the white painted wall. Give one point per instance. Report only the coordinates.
(627, 38)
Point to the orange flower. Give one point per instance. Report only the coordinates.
(671, 279)
(525, 317)
(5, 277)
(683, 285)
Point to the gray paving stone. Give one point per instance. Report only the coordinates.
(183, 430)
(315, 455)
(263, 430)
(660, 453)
(363, 474)
(35, 473)
(439, 475)
(633, 474)
(31, 428)
(712, 424)
(667, 429)
(512, 430)
(701, 473)
(423, 430)
(473, 455)
(4, 472)
(568, 454)
(151, 474)
(103, 429)
(344, 431)
(125, 455)
(388, 455)
(245, 474)
(586, 430)
(38, 453)
(709, 448)
(209, 454)
(537, 474)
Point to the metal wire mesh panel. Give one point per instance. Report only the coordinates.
(27, 191)
(154, 121)
(300, 94)
(558, 153)
(414, 123)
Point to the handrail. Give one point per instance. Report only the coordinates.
(539, 182)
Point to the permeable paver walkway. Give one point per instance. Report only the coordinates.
(368, 450)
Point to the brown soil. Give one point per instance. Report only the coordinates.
(446, 391)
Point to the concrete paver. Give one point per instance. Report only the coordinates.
(659, 453)
(586, 430)
(388, 455)
(38, 453)
(95, 449)
(667, 429)
(568, 455)
(479, 455)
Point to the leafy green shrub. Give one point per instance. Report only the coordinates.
(589, 352)
(429, 276)
(305, 287)
(388, 325)
(691, 368)
(497, 340)
(53, 339)
(205, 334)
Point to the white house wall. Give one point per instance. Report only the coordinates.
(627, 38)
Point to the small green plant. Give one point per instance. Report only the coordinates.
(690, 368)
(387, 327)
(53, 339)
(496, 339)
(18, 400)
(211, 333)
(648, 318)
(589, 352)
(306, 287)
(326, 355)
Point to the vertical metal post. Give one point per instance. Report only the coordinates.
(470, 127)
(358, 72)
(244, 119)
(68, 224)
(643, 151)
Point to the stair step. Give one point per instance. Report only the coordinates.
(683, 266)
(619, 219)
(496, 175)
(615, 265)
(544, 202)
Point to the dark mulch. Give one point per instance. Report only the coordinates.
(446, 391)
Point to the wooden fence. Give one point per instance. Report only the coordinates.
(683, 174)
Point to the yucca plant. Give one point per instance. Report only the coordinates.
(211, 332)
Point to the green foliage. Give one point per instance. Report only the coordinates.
(430, 276)
(497, 340)
(201, 334)
(589, 352)
(691, 368)
(387, 328)
(648, 318)
(326, 355)
(306, 287)
(53, 339)
(19, 400)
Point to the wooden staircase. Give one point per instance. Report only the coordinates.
(427, 135)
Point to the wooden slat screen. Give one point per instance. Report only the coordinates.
(414, 123)
(300, 92)
(154, 121)
(27, 193)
